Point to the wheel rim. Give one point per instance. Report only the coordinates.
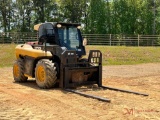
(40, 74)
(16, 70)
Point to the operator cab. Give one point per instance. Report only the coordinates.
(65, 35)
(70, 37)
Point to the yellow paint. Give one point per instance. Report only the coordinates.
(27, 76)
(16, 70)
(40, 73)
(36, 27)
(27, 50)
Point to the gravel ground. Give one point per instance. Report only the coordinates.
(25, 101)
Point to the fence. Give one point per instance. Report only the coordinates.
(126, 40)
(93, 39)
(17, 37)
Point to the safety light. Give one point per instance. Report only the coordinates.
(79, 27)
(59, 25)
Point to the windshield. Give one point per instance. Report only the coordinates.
(69, 37)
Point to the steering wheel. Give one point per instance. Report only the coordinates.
(66, 44)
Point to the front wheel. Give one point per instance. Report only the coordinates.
(45, 74)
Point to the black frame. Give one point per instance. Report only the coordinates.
(70, 65)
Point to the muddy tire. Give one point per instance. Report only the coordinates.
(18, 71)
(45, 74)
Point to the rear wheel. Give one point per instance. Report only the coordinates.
(45, 74)
(18, 71)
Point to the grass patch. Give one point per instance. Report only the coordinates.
(115, 55)
(121, 55)
(7, 53)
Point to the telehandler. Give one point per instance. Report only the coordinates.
(57, 59)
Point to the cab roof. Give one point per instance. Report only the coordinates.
(36, 27)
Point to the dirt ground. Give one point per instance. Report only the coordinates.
(25, 101)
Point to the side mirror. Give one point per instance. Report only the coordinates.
(84, 41)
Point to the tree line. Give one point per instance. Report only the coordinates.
(97, 16)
